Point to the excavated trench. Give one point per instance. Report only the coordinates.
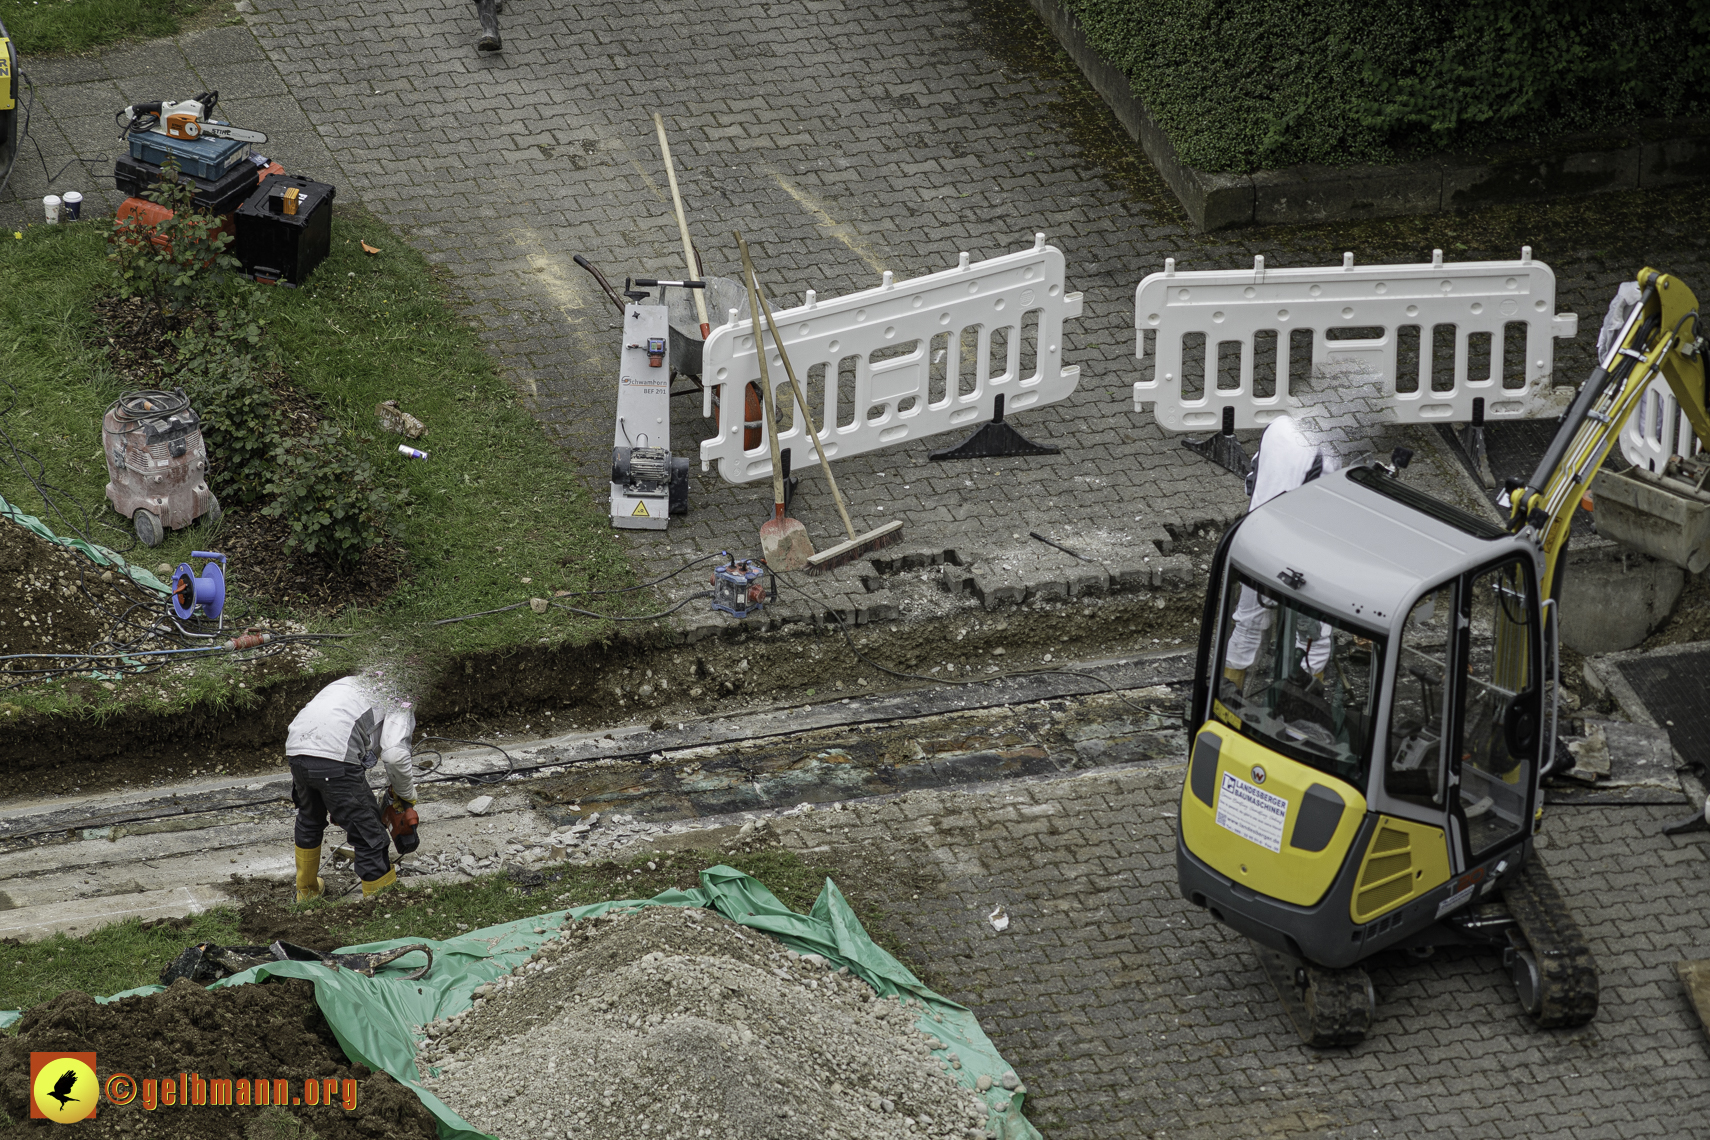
(658, 676)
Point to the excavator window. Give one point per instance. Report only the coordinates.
(1413, 751)
(1500, 691)
(1297, 680)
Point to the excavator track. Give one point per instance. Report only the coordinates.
(1329, 1008)
(1553, 967)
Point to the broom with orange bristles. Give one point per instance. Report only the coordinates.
(858, 546)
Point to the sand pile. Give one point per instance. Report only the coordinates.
(676, 1023)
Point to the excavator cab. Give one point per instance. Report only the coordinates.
(1369, 731)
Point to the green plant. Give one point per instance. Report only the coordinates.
(169, 262)
(274, 1123)
(327, 493)
(239, 411)
(1240, 85)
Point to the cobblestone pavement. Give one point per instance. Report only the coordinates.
(843, 138)
(1129, 1012)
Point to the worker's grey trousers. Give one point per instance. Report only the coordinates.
(322, 787)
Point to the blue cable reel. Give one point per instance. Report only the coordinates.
(207, 592)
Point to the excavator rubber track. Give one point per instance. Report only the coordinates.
(1330, 1009)
(1554, 970)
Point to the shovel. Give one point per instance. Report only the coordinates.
(859, 545)
(784, 542)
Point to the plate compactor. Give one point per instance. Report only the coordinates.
(157, 467)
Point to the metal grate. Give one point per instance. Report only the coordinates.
(1675, 692)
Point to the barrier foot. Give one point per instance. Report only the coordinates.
(1223, 450)
(994, 440)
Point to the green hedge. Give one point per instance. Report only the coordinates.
(1241, 85)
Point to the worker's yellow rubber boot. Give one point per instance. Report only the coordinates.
(309, 884)
(372, 887)
(1236, 677)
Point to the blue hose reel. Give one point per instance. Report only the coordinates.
(207, 592)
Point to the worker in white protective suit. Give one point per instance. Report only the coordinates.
(1286, 459)
(347, 729)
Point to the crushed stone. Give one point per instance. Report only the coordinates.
(670, 1023)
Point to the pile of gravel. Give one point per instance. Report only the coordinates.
(670, 1022)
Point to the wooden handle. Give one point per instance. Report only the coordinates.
(801, 398)
(771, 398)
(683, 228)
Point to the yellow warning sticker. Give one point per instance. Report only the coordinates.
(640, 511)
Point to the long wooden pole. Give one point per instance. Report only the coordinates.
(801, 398)
(683, 229)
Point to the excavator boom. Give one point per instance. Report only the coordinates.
(1661, 336)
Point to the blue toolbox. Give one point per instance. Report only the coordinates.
(209, 159)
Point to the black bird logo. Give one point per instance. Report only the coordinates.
(62, 1087)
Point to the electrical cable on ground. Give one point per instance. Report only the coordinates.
(479, 779)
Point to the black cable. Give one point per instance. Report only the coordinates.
(477, 778)
(18, 143)
(662, 578)
(643, 617)
(479, 613)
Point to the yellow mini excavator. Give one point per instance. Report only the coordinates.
(1374, 711)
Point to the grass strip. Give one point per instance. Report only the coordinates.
(494, 516)
(122, 956)
(66, 27)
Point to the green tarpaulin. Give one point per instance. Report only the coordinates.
(372, 1017)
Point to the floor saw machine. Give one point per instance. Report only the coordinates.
(662, 337)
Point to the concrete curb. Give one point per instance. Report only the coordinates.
(1655, 154)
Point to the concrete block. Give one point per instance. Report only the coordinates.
(77, 917)
(1087, 579)
(1176, 571)
(1311, 193)
(1612, 598)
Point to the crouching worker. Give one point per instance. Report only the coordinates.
(330, 746)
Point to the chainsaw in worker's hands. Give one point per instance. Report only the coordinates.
(399, 818)
(185, 119)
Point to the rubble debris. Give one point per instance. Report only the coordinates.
(397, 421)
(479, 805)
(1695, 976)
(674, 1021)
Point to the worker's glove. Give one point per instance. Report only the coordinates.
(400, 804)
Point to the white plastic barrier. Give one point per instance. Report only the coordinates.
(1445, 342)
(1657, 429)
(905, 360)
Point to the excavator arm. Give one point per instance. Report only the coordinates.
(1661, 336)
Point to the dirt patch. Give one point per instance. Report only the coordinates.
(255, 544)
(270, 1031)
(1691, 618)
(694, 1027)
(59, 601)
(264, 921)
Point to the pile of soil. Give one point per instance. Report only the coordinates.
(672, 1022)
(273, 1031)
(57, 600)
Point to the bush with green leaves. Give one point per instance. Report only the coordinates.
(170, 262)
(238, 408)
(327, 493)
(1241, 85)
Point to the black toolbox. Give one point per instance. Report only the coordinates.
(284, 229)
(134, 176)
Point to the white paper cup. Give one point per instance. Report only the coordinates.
(73, 203)
(50, 206)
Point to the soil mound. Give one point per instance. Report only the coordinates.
(58, 601)
(673, 1022)
(272, 1031)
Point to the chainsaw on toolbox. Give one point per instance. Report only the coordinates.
(185, 119)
